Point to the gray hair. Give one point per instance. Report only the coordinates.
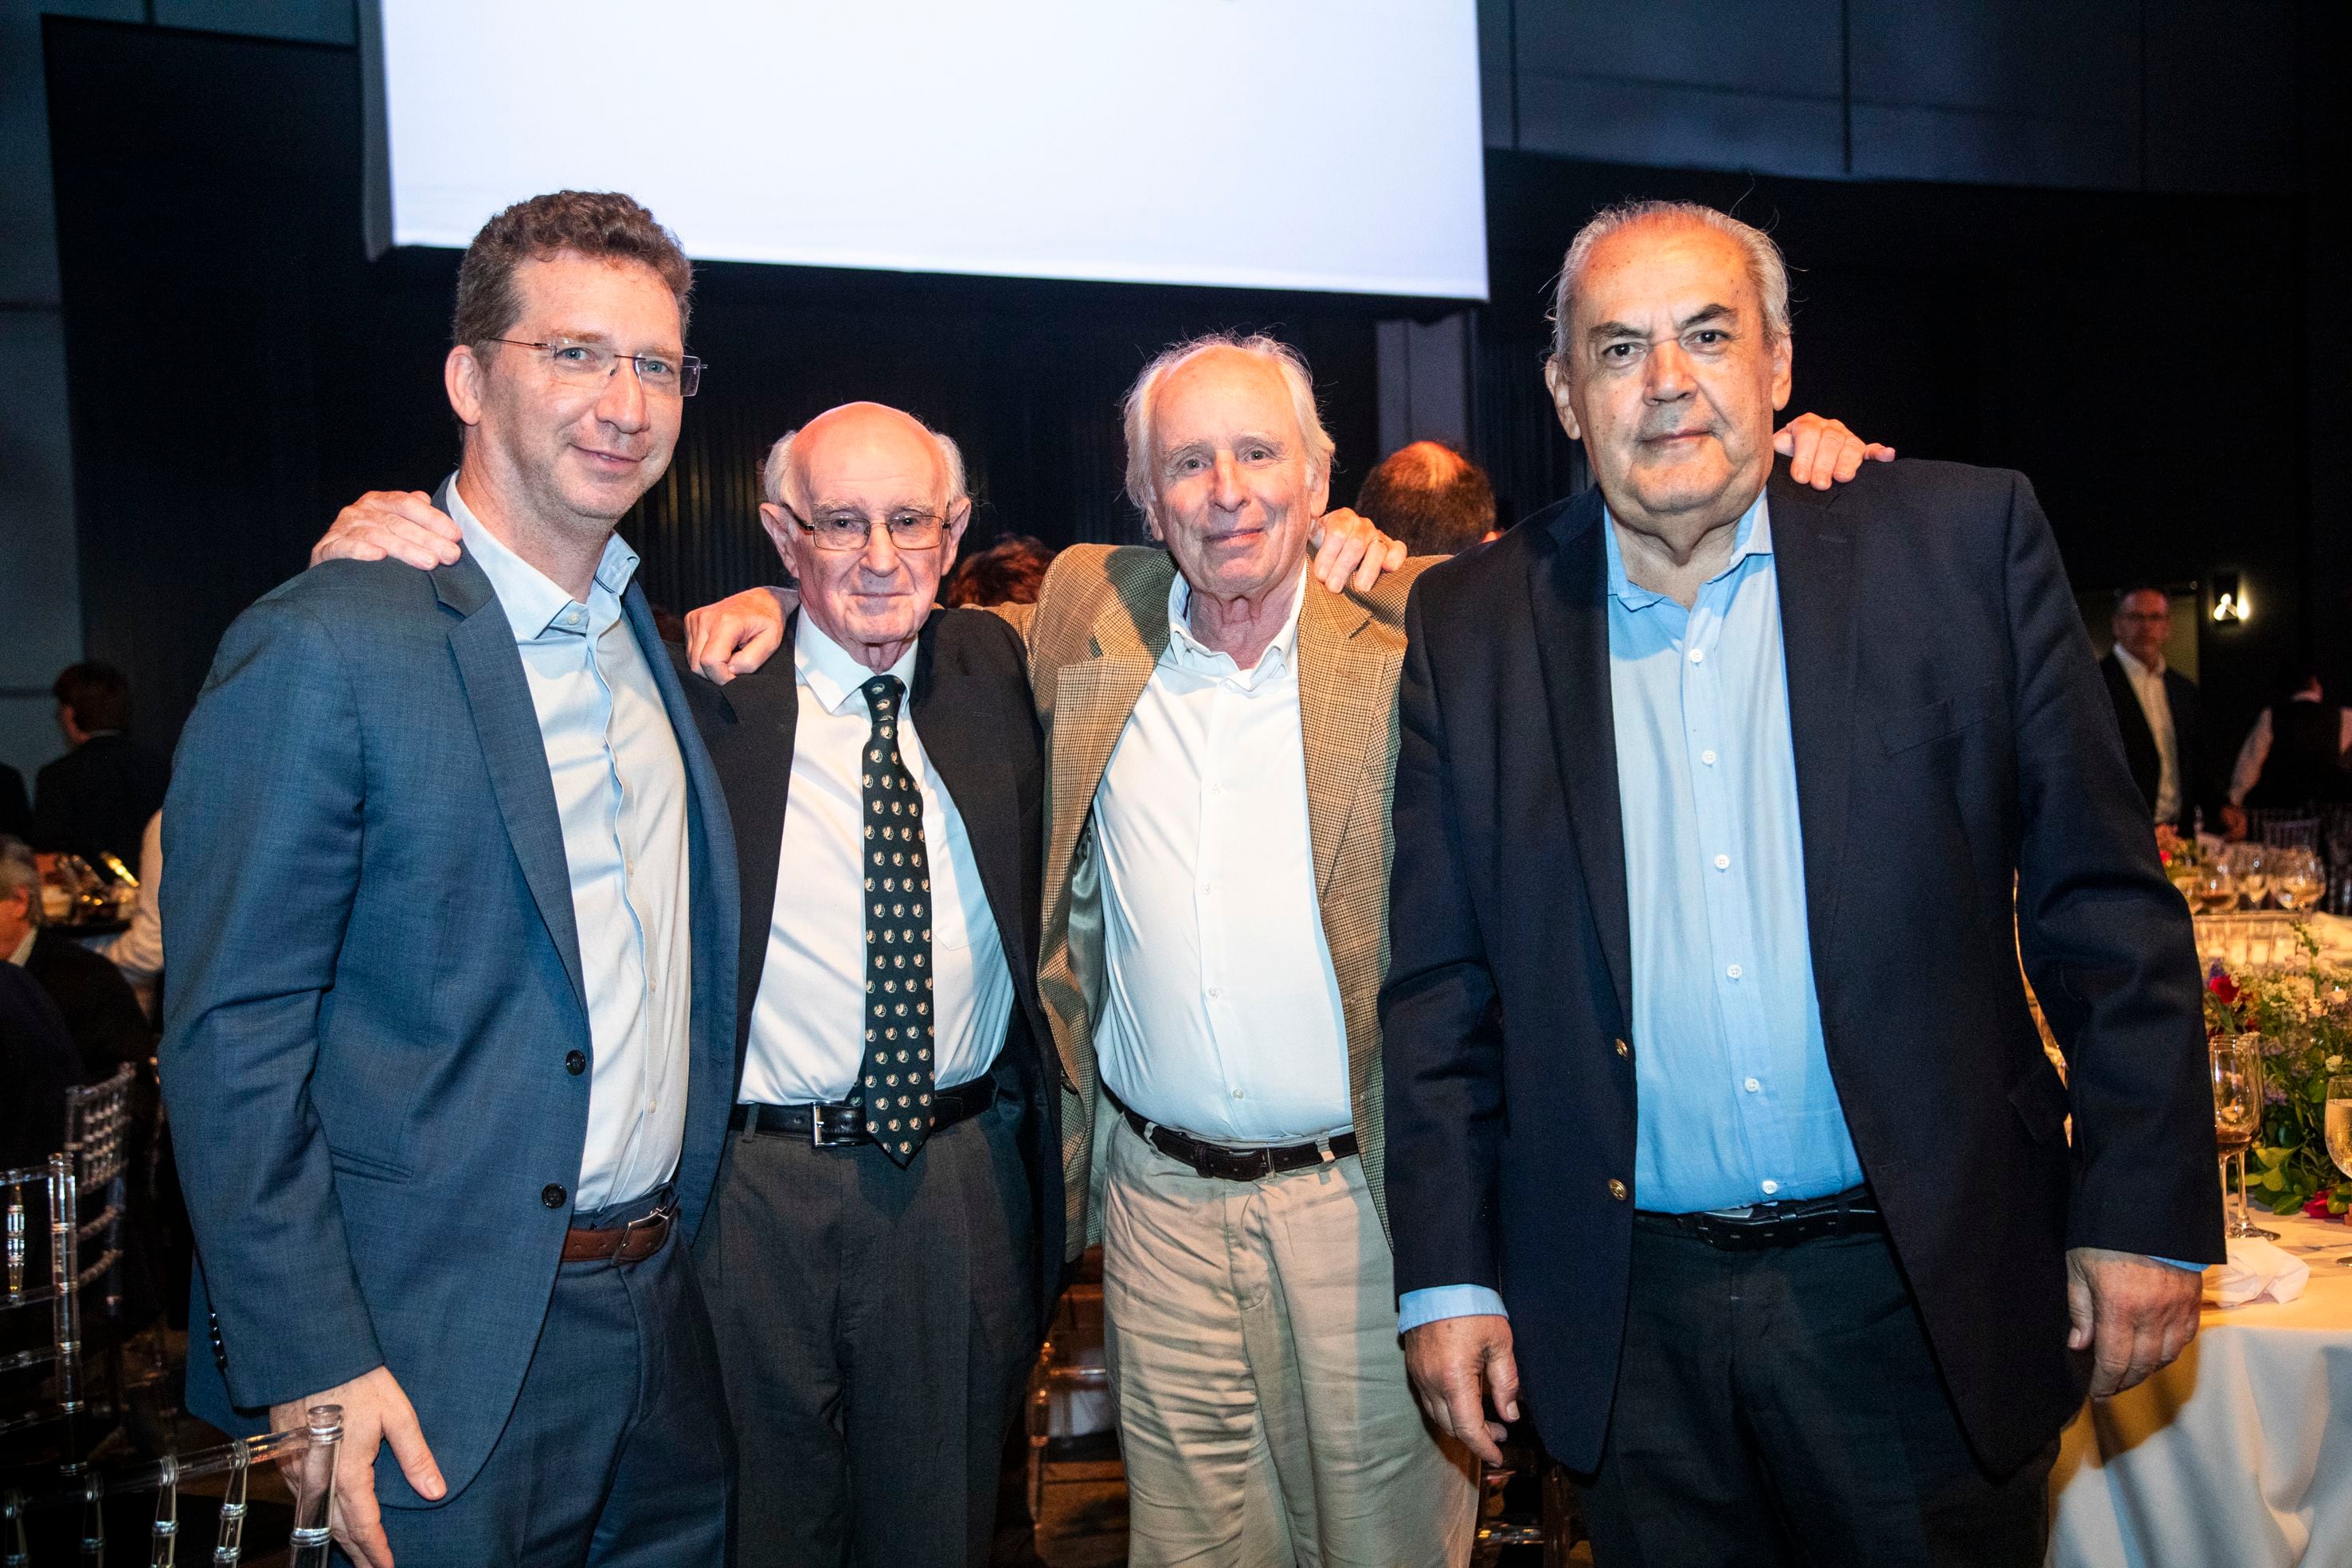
(1288, 361)
(19, 871)
(777, 465)
(1766, 269)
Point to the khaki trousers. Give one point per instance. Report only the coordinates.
(1264, 1413)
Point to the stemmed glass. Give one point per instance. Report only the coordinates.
(2339, 1123)
(2297, 881)
(2237, 1117)
(2215, 891)
(2252, 862)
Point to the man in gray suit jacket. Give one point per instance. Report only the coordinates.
(453, 904)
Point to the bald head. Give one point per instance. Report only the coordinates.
(1431, 496)
(848, 495)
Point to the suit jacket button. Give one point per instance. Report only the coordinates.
(1624, 1050)
(1617, 1189)
(552, 1194)
(575, 1062)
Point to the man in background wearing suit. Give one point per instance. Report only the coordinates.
(2156, 709)
(451, 1023)
(95, 799)
(101, 1013)
(1708, 1057)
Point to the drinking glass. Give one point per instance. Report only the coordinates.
(2215, 891)
(2339, 1123)
(2251, 864)
(2237, 1065)
(2298, 880)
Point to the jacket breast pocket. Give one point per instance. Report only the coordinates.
(1907, 729)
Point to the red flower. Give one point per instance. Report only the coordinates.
(2224, 989)
(2317, 1208)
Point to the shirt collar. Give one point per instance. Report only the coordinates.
(1187, 652)
(535, 606)
(832, 677)
(24, 953)
(1753, 537)
(2133, 666)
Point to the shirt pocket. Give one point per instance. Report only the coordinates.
(1907, 729)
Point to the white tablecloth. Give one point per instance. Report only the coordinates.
(2240, 1454)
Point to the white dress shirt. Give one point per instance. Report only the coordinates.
(2256, 751)
(621, 795)
(808, 1021)
(1222, 1013)
(2147, 684)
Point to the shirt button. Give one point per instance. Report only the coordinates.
(575, 1062)
(1707, 757)
(1624, 1050)
(1240, 1096)
(1771, 1187)
(1732, 970)
(1617, 1189)
(551, 1196)
(1753, 1087)
(1698, 655)
(1723, 862)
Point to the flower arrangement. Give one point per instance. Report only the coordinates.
(2305, 1018)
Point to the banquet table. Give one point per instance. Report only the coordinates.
(2238, 1455)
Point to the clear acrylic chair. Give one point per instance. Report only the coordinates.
(2293, 827)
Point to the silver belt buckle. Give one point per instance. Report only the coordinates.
(817, 1139)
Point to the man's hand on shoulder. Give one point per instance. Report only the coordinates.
(2134, 1314)
(1824, 452)
(396, 524)
(736, 635)
(375, 1412)
(1349, 552)
(1461, 1367)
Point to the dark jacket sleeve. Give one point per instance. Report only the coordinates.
(263, 850)
(1442, 1043)
(2106, 939)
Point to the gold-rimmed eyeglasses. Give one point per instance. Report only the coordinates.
(593, 364)
(848, 530)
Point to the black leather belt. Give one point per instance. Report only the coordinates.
(1854, 1212)
(832, 1125)
(1228, 1163)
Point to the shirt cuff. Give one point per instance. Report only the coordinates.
(2176, 1263)
(1415, 1307)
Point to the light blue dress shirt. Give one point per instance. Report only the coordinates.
(621, 797)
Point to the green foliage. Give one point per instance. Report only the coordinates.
(2304, 1014)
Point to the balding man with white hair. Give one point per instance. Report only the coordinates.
(886, 1235)
(1221, 737)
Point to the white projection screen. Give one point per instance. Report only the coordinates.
(1311, 144)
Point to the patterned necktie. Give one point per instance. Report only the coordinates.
(895, 1085)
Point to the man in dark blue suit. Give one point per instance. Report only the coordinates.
(1708, 1059)
(451, 1032)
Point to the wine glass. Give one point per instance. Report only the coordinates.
(2339, 1123)
(2298, 880)
(2215, 891)
(2253, 866)
(2237, 1117)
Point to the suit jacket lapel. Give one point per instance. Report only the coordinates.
(954, 723)
(1814, 564)
(507, 724)
(1567, 592)
(1092, 703)
(751, 746)
(1335, 721)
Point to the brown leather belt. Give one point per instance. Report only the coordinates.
(632, 1243)
(831, 1125)
(1228, 1163)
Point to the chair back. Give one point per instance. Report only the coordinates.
(2286, 829)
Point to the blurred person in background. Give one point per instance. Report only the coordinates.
(1431, 496)
(102, 1016)
(2156, 708)
(38, 1064)
(95, 799)
(1010, 571)
(139, 951)
(2295, 754)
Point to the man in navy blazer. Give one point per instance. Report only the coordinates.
(451, 1029)
(1709, 1064)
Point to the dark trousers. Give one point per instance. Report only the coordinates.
(617, 1454)
(876, 1327)
(1783, 1406)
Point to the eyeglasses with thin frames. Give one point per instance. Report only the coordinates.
(846, 531)
(593, 364)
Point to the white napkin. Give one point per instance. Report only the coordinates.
(2256, 1272)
